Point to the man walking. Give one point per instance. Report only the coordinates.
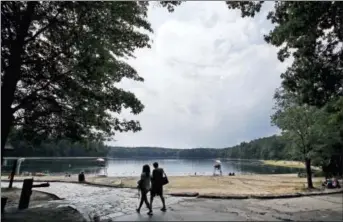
(157, 185)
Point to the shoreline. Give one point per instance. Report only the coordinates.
(227, 187)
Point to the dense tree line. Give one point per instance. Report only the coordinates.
(267, 148)
(273, 147)
(61, 148)
(264, 148)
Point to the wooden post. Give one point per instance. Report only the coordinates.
(3, 204)
(25, 194)
(14, 168)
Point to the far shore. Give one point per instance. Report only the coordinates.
(204, 185)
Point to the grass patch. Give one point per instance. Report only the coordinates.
(284, 163)
(287, 163)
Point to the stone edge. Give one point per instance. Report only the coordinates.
(74, 182)
(280, 196)
(54, 196)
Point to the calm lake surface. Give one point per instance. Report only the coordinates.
(133, 167)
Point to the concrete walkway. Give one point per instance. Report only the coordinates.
(316, 208)
(114, 204)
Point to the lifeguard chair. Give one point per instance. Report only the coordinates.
(217, 167)
(102, 163)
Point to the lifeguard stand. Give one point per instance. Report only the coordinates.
(217, 167)
(102, 163)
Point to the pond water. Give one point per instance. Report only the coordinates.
(133, 167)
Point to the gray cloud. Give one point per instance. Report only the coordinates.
(209, 79)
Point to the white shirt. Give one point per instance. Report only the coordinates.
(146, 181)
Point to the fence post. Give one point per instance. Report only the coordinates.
(14, 167)
(25, 194)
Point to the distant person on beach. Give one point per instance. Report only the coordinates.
(144, 187)
(157, 183)
(82, 177)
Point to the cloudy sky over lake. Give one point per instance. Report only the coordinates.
(209, 78)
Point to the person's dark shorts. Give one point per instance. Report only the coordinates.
(157, 191)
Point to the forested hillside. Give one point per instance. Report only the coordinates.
(61, 148)
(273, 147)
(264, 148)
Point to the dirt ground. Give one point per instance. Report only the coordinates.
(240, 185)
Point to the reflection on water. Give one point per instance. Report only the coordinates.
(132, 167)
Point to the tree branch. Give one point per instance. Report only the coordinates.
(28, 98)
(52, 22)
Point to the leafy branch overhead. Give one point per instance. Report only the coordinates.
(312, 32)
(60, 62)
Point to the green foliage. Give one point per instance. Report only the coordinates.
(247, 8)
(69, 65)
(309, 103)
(315, 134)
(268, 148)
(299, 127)
(60, 62)
(309, 129)
(62, 148)
(271, 148)
(312, 32)
(265, 148)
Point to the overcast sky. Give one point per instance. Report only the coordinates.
(209, 79)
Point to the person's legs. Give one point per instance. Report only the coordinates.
(160, 193)
(140, 205)
(141, 202)
(145, 198)
(163, 203)
(152, 195)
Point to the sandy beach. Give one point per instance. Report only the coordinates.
(219, 185)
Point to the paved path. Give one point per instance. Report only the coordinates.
(111, 204)
(315, 208)
(90, 201)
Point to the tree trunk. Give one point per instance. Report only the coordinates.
(14, 168)
(6, 122)
(9, 84)
(12, 72)
(309, 173)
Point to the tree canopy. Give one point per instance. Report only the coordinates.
(60, 62)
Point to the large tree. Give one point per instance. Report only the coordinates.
(311, 32)
(311, 131)
(60, 62)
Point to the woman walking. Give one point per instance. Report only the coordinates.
(144, 187)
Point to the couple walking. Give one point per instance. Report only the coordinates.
(154, 183)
